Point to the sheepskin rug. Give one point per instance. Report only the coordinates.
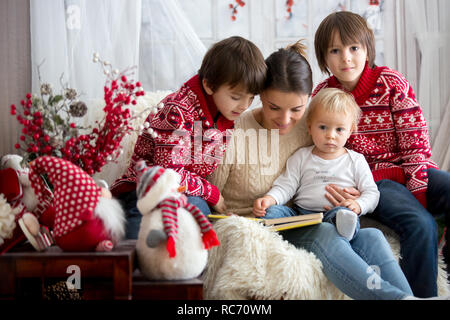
(255, 263)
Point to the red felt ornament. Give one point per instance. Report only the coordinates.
(233, 7)
(289, 4)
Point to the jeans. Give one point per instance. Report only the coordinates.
(133, 217)
(401, 211)
(280, 211)
(363, 268)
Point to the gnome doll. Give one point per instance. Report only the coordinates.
(25, 209)
(86, 217)
(174, 235)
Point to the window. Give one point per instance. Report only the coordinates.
(266, 22)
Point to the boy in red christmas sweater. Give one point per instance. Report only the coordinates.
(392, 134)
(189, 131)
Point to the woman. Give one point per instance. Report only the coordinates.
(243, 178)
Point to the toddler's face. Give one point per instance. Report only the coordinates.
(329, 132)
(346, 62)
(231, 102)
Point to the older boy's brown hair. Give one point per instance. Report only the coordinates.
(351, 27)
(234, 61)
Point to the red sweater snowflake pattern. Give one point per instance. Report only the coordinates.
(392, 132)
(192, 138)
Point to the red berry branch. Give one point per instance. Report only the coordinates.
(233, 7)
(49, 127)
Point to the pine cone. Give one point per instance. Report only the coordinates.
(46, 89)
(70, 94)
(59, 291)
(78, 109)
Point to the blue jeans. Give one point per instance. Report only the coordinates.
(401, 211)
(133, 216)
(279, 211)
(363, 268)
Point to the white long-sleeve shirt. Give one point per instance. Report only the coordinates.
(306, 176)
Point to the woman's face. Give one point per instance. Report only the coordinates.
(282, 110)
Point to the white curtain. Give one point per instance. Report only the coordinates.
(171, 51)
(66, 33)
(431, 30)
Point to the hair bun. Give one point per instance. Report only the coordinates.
(298, 47)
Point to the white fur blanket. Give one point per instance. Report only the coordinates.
(255, 263)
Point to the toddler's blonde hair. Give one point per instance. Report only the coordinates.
(334, 101)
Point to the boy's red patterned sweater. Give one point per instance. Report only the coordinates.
(392, 132)
(192, 137)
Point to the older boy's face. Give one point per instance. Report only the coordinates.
(346, 62)
(231, 102)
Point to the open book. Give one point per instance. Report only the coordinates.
(279, 224)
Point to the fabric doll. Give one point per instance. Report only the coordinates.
(86, 218)
(169, 219)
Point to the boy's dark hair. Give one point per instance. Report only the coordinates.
(234, 61)
(351, 27)
(289, 71)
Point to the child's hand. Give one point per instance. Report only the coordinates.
(261, 204)
(220, 206)
(352, 205)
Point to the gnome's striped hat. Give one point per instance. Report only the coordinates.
(154, 184)
(147, 179)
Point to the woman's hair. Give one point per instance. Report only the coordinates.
(335, 101)
(289, 71)
(234, 61)
(351, 27)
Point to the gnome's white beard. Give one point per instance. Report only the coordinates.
(111, 213)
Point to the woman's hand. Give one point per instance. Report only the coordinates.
(337, 195)
(352, 205)
(261, 204)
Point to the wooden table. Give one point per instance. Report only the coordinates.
(116, 265)
(144, 289)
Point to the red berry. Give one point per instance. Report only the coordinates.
(28, 95)
(17, 146)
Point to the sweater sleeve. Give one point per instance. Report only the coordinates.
(219, 177)
(412, 136)
(173, 149)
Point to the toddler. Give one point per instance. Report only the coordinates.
(331, 117)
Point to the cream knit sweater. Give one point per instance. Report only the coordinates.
(254, 158)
